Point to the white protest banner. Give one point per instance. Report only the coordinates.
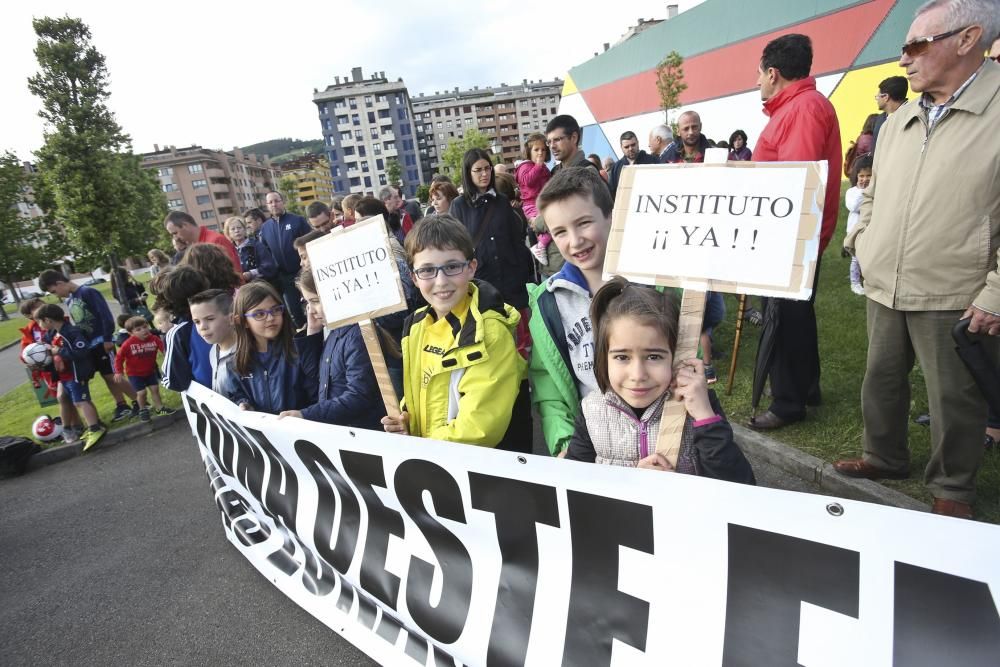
(356, 273)
(742, 227)
(428, 553)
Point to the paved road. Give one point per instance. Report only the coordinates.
(118, 557)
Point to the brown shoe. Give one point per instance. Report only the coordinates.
(767, 422)
(955, 508)
(864, 470)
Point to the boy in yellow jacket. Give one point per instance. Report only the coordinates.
(463, 378)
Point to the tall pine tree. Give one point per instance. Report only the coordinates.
(99, 192)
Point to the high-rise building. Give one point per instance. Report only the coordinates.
(366, 124)
(211, 185)
(505, 114)
(312, 178)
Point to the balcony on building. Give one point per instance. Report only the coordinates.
(215, 172)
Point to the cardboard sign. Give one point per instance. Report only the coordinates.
(356, 273)
(742, 227)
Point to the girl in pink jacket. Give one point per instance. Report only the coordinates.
(532, 174)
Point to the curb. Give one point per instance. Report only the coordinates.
(65, 452)
(9, 345)
(819, 472)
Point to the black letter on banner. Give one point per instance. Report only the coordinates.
(323, 473)
(598, 611)
(517, 506)
(446, 621)
(943, 619)
(770, 575)
(365, 471)
(248, 468)
(281, 497)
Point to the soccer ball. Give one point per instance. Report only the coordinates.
(45, 429)
(36, 354)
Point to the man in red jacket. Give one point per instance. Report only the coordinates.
(802, 127)
(182, 226)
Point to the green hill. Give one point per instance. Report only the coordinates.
(282, 150)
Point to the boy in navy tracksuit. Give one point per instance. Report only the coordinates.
(348, 394)
(74, 365)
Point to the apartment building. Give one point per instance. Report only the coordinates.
(211, 185)
(505, 114)
(312, 177)
(366, 123)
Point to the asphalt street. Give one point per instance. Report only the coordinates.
(118, 558)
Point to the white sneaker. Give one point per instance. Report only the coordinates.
(539, 252)
(858, 289)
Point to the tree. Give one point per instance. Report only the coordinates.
(451, 159)
(27, 244)
(670, 83)
(423, 193)
(393, 172)
(97, 189)
(288, 186)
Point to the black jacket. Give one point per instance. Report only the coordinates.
(504, 260)
(616, 171)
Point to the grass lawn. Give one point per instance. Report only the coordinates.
(19, 409)
(834, 429)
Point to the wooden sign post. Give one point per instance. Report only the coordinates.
(739, 227)
(357, 280)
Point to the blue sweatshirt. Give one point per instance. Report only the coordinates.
(278, 236)
(90, 312)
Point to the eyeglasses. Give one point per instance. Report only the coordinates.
(880, 95)
(482, 170)
(556, 140)
(449, 269)
(921, 44)
(263, 313)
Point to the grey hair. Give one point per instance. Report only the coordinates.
(386, 192)
(663, 132)
(962, 13)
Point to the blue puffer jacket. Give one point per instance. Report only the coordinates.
(348, 394)
(255, 257)
(275, 384)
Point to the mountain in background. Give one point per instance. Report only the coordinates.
(283, 150)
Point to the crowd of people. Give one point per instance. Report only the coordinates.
(507, 305)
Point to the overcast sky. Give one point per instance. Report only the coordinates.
(185, 72)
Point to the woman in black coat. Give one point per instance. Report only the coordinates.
(504, 260)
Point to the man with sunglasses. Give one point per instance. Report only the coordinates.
(803, 126)
(927, 242)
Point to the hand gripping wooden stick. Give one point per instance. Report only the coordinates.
(668, 442)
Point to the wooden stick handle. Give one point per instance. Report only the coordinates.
(668, 441)
(736, 342)
(389, 398)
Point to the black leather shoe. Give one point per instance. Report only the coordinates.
(767, 422)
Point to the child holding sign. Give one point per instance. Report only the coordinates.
(264, 374)
(348, 394)
(464, 380)
(636, 334)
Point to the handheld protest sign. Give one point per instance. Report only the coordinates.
(357, 280)
(739, 227)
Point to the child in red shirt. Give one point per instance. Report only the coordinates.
(138, 356)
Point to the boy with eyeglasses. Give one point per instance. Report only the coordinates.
(464, 380)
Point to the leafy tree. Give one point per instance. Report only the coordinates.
(670, 83)
(97, 190)
(451, 159)
(27, 244)
(394, 172)
(423, 193)
(288, 186)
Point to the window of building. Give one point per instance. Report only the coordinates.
(175, 203)
(411, 174)
(524, 113)
(335, 171)
(466, 109)
(356, 181)
(439, 125)
(351, 166)
(170, 187)
(199, 184)
(401, 113)
(339, 104)
(552, 110)
(166, 171)
(368, 100)
(364, 166)
(207, 215)
(374, 132)
(322, 109)
(342, 120)
(355, 119)
(362, 151)
(345, 136)
(333, 156)
(377, 149)
(327, 125)
(399, 100)
(348, 150)
(203, 199)
(353, 103)
(381, 179)
(380, 164)
(359, 135)
(368, 181)
(384, 113)
(389, 145)
(437, 113)
(195, 169)
(448, 124)
(380, 98)
(371, 116)
(468, 122)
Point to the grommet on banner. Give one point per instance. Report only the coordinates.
(353, 434)
(835, 509)
(521, 459)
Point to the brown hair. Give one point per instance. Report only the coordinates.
(231, 221)
(135, 322)
(438, 231)
(161, 257)
(576, 181)
(620, 298)
(212, 262)
(446, 188)
(223, 300)
(306, 281)
(30, 306)
(178, 218)
(249, 296)
(349, 203)
(174, 287)
(506, 185)
(50, 311)
(533, 138)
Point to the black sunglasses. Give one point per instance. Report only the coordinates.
(921, 44)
